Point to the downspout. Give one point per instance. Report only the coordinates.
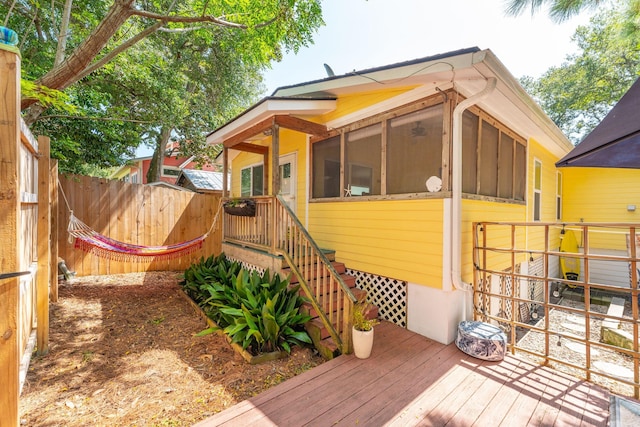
(456, 196)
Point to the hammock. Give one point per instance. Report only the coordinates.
(102, 246)
(90, 241)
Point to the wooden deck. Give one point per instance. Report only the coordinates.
(411, 380)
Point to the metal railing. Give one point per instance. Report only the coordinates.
(586, 324)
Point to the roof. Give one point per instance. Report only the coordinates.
(465, 71)
(201, 180)
(615, 142)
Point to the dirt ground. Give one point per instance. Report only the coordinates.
(122, 351)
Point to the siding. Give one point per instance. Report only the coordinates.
(600, 194)
(398, 239)
(349, 104)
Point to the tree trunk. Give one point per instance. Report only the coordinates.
(65, 74)
(157, 161)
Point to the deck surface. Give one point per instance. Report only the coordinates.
(411, 380)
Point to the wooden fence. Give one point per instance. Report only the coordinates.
(137, 214)
(25, 262)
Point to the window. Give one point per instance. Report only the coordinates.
(414, 150)
(537, 190)
(170, 172)
(252, 181)
(326, 168)
(398, 151)
(558, 196)
(363, 156)
(493, 158)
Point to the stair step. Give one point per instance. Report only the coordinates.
(323, 302)
(338, 266)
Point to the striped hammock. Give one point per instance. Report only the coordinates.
(102, 246)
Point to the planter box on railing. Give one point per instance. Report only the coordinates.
(240, 207)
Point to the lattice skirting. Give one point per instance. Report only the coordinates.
(247, 266)
(389, 295)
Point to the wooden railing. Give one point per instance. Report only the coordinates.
(276, 229)
(518, 280)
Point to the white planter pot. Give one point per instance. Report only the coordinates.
(362, 343)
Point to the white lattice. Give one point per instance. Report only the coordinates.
(247, 266)
(389, 295)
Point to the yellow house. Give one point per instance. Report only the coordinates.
(387, 169)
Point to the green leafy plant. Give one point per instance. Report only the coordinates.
(360, 318)
(260, 312)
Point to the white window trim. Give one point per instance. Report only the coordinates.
(538, 191)
(558, 195)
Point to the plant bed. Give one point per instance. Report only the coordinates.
(240, 207)
(260, 313)
(246, 355)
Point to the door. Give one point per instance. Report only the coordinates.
(288, 180)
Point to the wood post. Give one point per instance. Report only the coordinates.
(44, 246)
(9, 235)
(53, 271)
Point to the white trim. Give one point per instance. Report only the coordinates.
(270, 107)
(537, 190)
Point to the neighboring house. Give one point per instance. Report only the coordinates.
(200, 181)
(390, 166)
(601, 182)
(135, 171)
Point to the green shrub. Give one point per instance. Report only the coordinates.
(258, 311)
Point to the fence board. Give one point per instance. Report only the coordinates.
(138, 214)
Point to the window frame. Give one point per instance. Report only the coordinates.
(518, 152)
(252, 168)
(537, 190)
(558, 196)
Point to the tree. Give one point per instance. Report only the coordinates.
(149, 68)
(559, 10)
(579, 93)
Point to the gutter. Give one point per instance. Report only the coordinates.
(456, 196)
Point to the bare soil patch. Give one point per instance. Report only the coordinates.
(122, 351)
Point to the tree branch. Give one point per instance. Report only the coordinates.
(118, 50)
(98, 119)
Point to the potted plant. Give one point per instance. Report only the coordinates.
(362, 332)
(240, 207)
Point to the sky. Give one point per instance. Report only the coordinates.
(361, 34)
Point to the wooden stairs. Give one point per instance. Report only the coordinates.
(319, 334)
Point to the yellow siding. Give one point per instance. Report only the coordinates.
(548, 193)
(351, 103)
(478, 211)
(398, 239)
(601, 195)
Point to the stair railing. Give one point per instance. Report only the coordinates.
(331, 298)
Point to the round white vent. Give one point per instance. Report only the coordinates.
(434, 184)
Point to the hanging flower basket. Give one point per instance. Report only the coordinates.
(240, 207)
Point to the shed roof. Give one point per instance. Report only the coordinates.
(201, 180)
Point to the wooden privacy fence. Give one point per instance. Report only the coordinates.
(25, 201)
(136, 214)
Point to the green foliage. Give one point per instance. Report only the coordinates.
(360, 317)
(258, 311)
(200, 67)
(578, 94)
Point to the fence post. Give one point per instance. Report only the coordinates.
(9, 232)
(44, 246)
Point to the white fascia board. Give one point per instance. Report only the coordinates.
(394, 76)
(526, 117)
(186, 162)
(270, 107)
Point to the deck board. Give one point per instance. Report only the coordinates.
(411, 380)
